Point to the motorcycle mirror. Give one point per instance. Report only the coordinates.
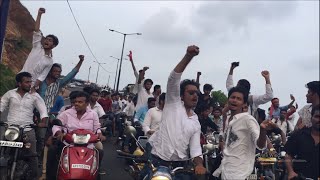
(57, 122)
(130, 131)
(208, 148)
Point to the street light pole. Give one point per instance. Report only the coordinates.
(99, 64)
(89, 73)
(124, 40)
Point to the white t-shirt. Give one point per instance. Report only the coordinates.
(142, 97)
(242, 134)
(38, 64)
(98, 109)
(129, 109)
(152, 120)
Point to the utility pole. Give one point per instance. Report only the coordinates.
(89, 73)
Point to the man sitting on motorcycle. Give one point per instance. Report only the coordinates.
(21, 104)
(178, 137)
(77, 117)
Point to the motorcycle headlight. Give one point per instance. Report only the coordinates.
(12, 133)
(81, 139)
(161, 174)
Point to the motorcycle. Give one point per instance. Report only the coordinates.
(77, 161)
(15, 152)
(210, 159)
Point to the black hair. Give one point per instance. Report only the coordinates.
(314, 109)
(241, 90)
(185, 83)
(274, 99)
(87, 89)
(314, 86)
(156, 87)
(147, 80)
(82, 94)
(150, 99)
(72, 95)
(162, 97)
(22, 75)
(207, 87)
(261, 113)
(245, 84)
(94, 90)
(54, 38)
(216, 108)
(204, 107)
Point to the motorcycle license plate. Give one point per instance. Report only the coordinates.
(80, 166)
(11, 144)
(252, 177)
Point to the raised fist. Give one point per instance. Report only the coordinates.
(198, 73)
(145, 68)
(193, 50)
(81, 57)
(292, 97)
(41, 11)
(130, 55)
(265, 74)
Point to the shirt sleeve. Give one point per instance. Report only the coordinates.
(229, 82)
(254, 130)
(64, 81)
(37, 37)
(195, 147)
(41, 106)
(173, 88)
(101, 112)
(96, 123)
(262, 99)
(44, 73)
(4, 101)
(147, 121)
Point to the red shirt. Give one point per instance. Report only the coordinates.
(106, 104)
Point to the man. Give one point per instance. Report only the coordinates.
(178, 137)
(50, 87)
(21, 105)
(94, 105)
(217, 112)
(40, 60)
(282, 122)
(205, 99)
(313, 97)
(254, 100)
(78, 117)
(72, 98)
(303, 145)
(275, 109)
(105, 101)
(156, 93)
(143, 90)
(153, 117)
(141, 113)
(136, 74)
(242, 136)
(204, 119)
(129, 109)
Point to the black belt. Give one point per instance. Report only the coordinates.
(172, 164)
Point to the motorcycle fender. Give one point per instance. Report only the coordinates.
(3, 161)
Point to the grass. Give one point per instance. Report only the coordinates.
(7, 79)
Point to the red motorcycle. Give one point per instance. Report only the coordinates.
(77, 161)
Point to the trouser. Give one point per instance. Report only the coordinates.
(33, 161)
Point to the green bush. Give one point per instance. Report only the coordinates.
(7, 79)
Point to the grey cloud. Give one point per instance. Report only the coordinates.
(307, 63)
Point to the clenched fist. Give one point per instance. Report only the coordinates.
(81, 57)
(265, 74)
(41, 11)
(193, 51)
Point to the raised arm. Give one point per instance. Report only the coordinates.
(198, 77)
(37, 23)
(72, 73)
(229, 82)
(262, 99)
(191, 52)
(293, 99)
(132, 64)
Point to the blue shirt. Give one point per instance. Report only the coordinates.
(276, 112)
(141, 113)
(57, 105)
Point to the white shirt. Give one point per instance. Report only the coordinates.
(242, 134)
(178, 135)
(129, 109)
(98, 109)
(21, 108)
(256, 99)
(282, 125)
(152, 120)
(142, 97)
(122, 103)
(38, 64)
(305, 114)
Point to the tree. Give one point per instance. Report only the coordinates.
(219, 97)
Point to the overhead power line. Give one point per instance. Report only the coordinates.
(74, 17)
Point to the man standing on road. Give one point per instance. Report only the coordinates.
(40, 60)
(21, 104)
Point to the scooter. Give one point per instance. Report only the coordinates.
(15, 152)
(77, 161)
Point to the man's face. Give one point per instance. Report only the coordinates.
(206, 91)
(236, 102)
(94, 96)
(158, 91)
(315, 120)
(48, 43)
(190, 96)
(25, 84)
(309, 96)
(80, 104)
(205, 113)
(216, 113)
(151, 104)
(283, 115)
(275, 103)
(55, 72)
(148, 85)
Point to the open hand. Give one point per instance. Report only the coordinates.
(41, 11)
(268, 125)
(193, 50)
(145, 68)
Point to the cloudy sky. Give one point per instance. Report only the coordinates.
(282, 37)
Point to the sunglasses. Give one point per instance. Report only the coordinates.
(191, 93)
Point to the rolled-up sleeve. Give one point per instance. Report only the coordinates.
(195, 148)
(262, 99)
(229, 82)
(173, 88)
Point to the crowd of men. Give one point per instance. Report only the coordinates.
(173, 121)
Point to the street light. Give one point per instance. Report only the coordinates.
(99, 64)
(124, 40)
(115, 78)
